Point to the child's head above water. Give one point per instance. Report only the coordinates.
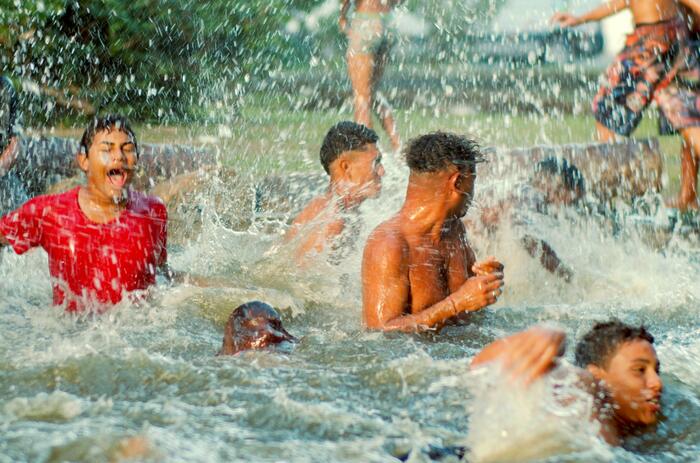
(624, 359)
(108, 156)
(253, 325)
(349, 154)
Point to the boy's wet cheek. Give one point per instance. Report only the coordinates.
(104, 157)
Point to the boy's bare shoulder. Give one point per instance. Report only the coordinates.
(387, 238)
(311, 210)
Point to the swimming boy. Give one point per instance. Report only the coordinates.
(350, 156)
(418, 270)
(253, 325)
(618, 363)
(646, 71)
(103, 239)
(369, 44)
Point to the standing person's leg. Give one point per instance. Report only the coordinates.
(363, 36)
(360, 67)
(690, 153)
(381, 105)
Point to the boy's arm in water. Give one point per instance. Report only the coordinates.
(386, 288)
(526, 355)
(692, 5)
(9, 156)
(608, 8)
(548, 258)
(316, 237)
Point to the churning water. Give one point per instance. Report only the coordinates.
(75, 388)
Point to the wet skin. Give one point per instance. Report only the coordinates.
(355, 177)
(418, 270)
(645, 12)
(366, 70)
(629, 381)
(253, 325)
(109, 166)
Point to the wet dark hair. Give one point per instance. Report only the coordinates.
(438, 150)
(108, 123)
(344, 136)
(570, 175)
(602, 341)
(8, 111)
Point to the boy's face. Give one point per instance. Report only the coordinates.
(109, 164)
(632, 376)
(365, 171)
(464, 191)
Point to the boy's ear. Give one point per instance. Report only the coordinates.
(597, 372)
(453, 182)
(344, 166)
(82, 160)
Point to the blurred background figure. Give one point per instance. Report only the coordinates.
(369, 44)
(12, 193)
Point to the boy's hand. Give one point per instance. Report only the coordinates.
(533, 353)
(488, 266)
(343, 24)
(564, 19)
(477, 292)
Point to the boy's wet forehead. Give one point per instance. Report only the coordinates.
(638, 351)
(112, 137)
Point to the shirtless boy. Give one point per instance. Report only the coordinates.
(350, 156)
(418, 270)
(646, 70)
(369, 44)
(618, 366)
(103, 239)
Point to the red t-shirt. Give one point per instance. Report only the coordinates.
(94, 262)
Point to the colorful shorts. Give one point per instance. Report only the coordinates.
(631, 81)
(370, 34)
(679, 100)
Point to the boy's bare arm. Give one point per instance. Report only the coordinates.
(386, 289)
(9, 156)
(527, 355)
(608, 8)
(692, 5)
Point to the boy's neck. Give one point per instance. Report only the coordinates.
(97, 207)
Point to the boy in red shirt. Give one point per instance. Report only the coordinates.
(103, 239)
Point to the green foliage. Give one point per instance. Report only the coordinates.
(157, 60)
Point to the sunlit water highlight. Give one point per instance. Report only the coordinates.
(73, 388)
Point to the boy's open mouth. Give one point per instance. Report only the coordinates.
(117, 177)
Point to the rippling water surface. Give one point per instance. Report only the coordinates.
(74, 388)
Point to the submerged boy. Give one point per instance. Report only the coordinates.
(418, 270)
(651, 67)
(103, 239)
(618, 366)
(350, 157)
